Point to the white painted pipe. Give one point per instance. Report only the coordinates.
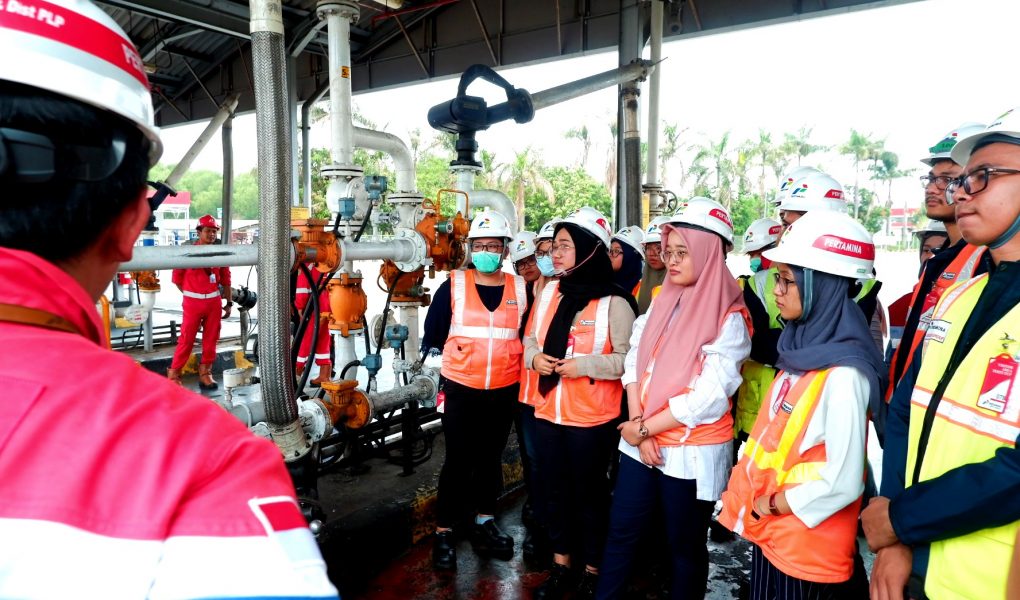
(338, 23)
(397, 250)
(156, 258)
(345, 353)
(396, 148)
(652, 176)
(409, 317)
(497, 201)
(226, 109)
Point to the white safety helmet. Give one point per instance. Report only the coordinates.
(522, 245)
(943, 149)
(815, 191)
(1007, 125)
(653, 233)
(706, 214)
(761, 233)
(547, 231)
(786, 183)
(633, 237)
(827, 241)
(592, 221)
(73, 48)
(933, 227)
(489, 224)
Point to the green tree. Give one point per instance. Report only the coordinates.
(581, 134)
(799, 144)
(886, 170)
(671, 147)
(522, 174)
(745, 210)
(715, 158)
(433, 174)
(872, 213)
(572, 189)
(861, 148)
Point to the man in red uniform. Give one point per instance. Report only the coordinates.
(136, 487)
(302, 296)
(203, 289)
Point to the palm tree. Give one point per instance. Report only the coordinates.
(766, 156)
(611, 157)
(860, 148)
(715, 156)
(581, 134)
(522, 174)
(799, 144)
(670, 148)
(886, 170)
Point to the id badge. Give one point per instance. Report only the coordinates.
(441, 402)
(998, 383)
(212, 277)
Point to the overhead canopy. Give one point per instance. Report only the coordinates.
(198, 50)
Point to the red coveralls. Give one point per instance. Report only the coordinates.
(301, 299)
(203, 307)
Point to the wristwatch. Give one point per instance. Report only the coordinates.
(642, 430)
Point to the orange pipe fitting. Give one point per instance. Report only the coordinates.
(314, 236)
(346, 404)
(146, 280)
(347, 304)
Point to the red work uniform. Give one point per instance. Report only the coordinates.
(301, 298)
(203, 307)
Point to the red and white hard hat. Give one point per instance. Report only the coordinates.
(706, 214)
(786, 183)
(207, 221)
(653, 233)
(72, 48)
(815, 191)
(592, 221)
(633, 237)
(827, 241)
(761, 233)
(943, 149)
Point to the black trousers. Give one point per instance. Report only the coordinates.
(476, 424)
(769, 583)
(574, 480)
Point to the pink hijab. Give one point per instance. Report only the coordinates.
(701, 309)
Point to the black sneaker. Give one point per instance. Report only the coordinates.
(444, 551)
(489, 540)
(718, 532)
(535, 549)
(586, 587)
(560, 581)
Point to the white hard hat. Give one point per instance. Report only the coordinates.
(761, 233)
(653, 233)
(592, 221)
(489, 224)
(827, 241)
(706, 214)
(73, 48)
(547, 231)
(633, 237)
(786, 183)
(1007, 125)
(815, 191)
(943, 149)
(522, 245)
(932, 227)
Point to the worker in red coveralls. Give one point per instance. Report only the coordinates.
(301, 298)
(203, 290)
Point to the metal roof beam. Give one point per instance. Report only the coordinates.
(180, 11)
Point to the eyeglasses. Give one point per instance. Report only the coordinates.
(562, 248)
(494, 247)
(543, 249)
(527, 262)
(976, 181)
(667, 256)
(614, 253)
(653, 248)
(783, 284)
(940, 181)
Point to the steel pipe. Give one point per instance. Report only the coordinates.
(655, 43)
(338, 27)
(158, 258)
(225, 111)
(396, 148)
(397, 250)
(419, 390)
(635, 71)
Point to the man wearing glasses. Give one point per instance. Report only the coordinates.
(951, 479)
(956, 261)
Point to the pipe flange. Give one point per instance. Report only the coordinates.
(345, 8)
(315, 420)
(290, 439)
(341, 171)
(430, 378)
(405, 198)
(421, 249)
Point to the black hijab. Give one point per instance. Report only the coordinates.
(630, 273)
(589, 279)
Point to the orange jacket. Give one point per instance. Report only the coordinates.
(771, 462)
(483, 350)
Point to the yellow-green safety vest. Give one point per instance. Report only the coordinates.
(970, 425)
(756, 377)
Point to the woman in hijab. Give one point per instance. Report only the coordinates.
(628, 258)
(796, 492)
(582, 324)
(682, 368)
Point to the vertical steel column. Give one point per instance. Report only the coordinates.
(628, 164)
(228, 178)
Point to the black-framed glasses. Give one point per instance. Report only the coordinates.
(976, 181)
(615, 252)
(543, 248)
(667, 256)
(941, 182)
(783, 284)
(529, 261)
(494, 247)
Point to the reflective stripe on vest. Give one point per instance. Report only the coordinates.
(961, 269)
(772, 462)
(483, 350)
(578, 401)
(971, 424)
(756, 376)
(764, 284)
(529, 378)
(199, 296)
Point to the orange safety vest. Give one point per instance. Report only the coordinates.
(636, 290)
(961, 269)
(483, 350)
(772, 462)
(719, 432)
(529, 378)
(577, 401)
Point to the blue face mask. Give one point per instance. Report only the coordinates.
(756, 264)
(545, 265)
(486, 262)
